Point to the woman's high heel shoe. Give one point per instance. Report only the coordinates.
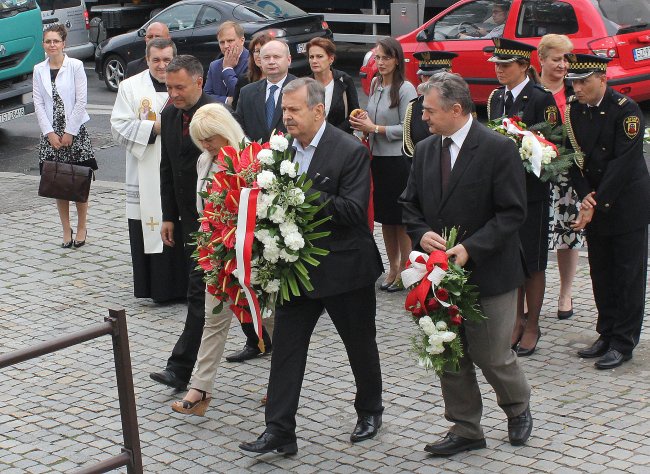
(198, 407)
(523, 352)
(69, 243)
(80, 243)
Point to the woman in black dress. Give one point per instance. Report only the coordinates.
(60, 93)
(521, 95)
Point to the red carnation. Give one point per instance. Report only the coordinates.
(418, 311)
(453, 310)
(432, 304)
(456, 320)
(442, 294)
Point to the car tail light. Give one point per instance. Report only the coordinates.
(86, 19)
(605, 47)
(324, 25)
(276, 32)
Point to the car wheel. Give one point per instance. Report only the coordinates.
(114, 72)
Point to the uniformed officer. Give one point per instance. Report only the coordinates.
(416, 129)
(613, 181)
(520, 95)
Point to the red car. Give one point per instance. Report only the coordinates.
(602, 27)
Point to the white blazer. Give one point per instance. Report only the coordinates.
(71, 85)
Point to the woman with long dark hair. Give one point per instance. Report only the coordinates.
(390, 94)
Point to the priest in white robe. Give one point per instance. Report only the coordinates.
(159, 272)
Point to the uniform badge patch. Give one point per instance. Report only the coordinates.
(551, 114)
(631, 125)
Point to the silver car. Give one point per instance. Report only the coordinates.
(72, 14)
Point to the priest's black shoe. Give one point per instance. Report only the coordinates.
(169, 378)
(452, 444)
(367, 427)
(268, 442)
(246, 353)
(520, 427)
(597, 349)
(612, 359)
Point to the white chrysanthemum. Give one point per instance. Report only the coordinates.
(441, 326)
(425, 320)
(265, 179)
(435, 349)
(294, 241)
(295, 197)
(527, 143)
(288, 227)
(271, 252)
(288, 257)
(448, 336)
(263, 235)
(277, 214)
(435, 339)
(278, 143)
(265, 156)
(288, 168)
(272, 286)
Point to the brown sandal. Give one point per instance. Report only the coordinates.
(198, 407)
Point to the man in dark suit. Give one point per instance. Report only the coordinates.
(178, 198)
(259, 108)
(469, 177)
(344, 282)
(614, 184)
(154, 30)
(223, 72)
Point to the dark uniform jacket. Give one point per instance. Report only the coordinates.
(415, 129)
(533, 105)
(485, 200)
(611, 138)
(178, 174)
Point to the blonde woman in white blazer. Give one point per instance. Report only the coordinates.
(60, 92)
(212, 128)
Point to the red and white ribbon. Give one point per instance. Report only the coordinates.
(244, 237)
(538, 144)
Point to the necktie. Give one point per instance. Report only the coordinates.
(186, 124)
(270, 106)
(445, 163)
(508, 104)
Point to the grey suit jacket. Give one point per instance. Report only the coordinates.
(251, 110)
(485, 200)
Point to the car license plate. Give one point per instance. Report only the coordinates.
(301, 48)
(12, 114)
(641, 54)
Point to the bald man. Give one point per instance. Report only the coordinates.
(154, 30)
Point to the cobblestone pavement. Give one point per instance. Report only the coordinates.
(60, 412)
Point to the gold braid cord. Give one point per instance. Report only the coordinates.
(489, 103)
(580, 156)
(407, 141)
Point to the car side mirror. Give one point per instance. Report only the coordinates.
(142, 32)
(425, 35)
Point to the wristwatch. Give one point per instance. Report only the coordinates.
(377, 129)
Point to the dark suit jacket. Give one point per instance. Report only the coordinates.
(135, 67)
(353, 261)
(251, 110)
(221, 84)
(178, 169)
(344, 100)
(533, 105)
(485, 200)
(614, 165)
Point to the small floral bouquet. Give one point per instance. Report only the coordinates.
(257, 228)
(541, 146)
(440, 298)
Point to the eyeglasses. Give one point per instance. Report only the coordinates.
(383, 58)
(257, 51)
(48, 42)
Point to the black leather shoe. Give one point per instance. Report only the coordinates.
(612, 359)
(520, 427)
(247, 353)
(384, 286)
(169, 378)
(367, 427)
(268, 442)
(452, 444)
(397, 285)
(597, 349)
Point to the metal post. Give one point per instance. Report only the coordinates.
(125, 389)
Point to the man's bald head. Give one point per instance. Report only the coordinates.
(156, 30)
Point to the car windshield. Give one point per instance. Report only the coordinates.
(261, 10)
(634, 16)
(9, 5)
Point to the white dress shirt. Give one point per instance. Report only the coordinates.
(458, 138)
(518, 88)
(276, 95)
(303, 156)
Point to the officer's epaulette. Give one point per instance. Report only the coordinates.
(412, 101)
(622, 101)
(539, 86)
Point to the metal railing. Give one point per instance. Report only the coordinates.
(115, 325)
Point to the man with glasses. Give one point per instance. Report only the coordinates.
(499, 16)
(154, 30)
(223, 72)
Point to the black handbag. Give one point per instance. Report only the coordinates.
(65, 181)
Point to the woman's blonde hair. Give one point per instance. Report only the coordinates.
(553, 41)
(215, 119)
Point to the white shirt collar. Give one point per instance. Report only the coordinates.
(459, 136)
(279, 83)
(517, 90)
(314, 141)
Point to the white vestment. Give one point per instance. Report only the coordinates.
(137, 107)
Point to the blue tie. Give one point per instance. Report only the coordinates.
(270, 106)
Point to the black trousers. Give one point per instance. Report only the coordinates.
(619, 266)
(183, 357)
(251, 336)
(353, 315)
